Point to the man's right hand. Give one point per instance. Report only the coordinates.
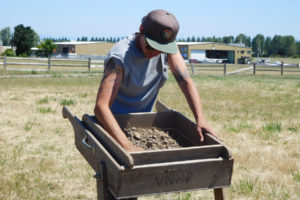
(132, 148)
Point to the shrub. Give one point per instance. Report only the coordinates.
(296, 56)
(9, 52)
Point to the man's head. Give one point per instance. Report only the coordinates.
(160, 28)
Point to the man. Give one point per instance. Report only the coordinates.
(135, 70)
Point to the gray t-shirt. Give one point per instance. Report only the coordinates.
(142, 79)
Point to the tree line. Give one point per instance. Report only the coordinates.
(24, 37)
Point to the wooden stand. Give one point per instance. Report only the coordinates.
(104, 194)
(123, 175)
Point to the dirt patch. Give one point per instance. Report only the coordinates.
(155, 138)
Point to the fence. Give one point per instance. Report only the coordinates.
(237, 69)
(276, 68)
(208, 67)
(48, 63)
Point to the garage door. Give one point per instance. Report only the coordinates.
(198, 54)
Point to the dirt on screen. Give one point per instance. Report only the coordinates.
(154, 138)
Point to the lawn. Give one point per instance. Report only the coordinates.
(256, 117)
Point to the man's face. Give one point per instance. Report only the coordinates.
(148, 51)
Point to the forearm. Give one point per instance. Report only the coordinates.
(110, 124)
(192, 96)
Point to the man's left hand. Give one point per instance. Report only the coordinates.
(204, 127)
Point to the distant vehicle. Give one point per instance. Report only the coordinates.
(208, 60)
(194, 61)
(244, 60)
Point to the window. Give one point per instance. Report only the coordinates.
(242, 52)
(248, 52)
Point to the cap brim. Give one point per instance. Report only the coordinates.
(166, 48)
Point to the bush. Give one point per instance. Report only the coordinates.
(296, 56)
(25, 54)
(9, 52)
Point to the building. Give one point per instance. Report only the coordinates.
(214, 52)
(82, 49)
(0, 47)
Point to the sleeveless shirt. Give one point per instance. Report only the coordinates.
(143, 77)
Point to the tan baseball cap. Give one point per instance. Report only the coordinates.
(160, 28)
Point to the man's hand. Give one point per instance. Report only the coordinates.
(204, 127)
(132, 148)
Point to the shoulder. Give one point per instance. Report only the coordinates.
(120, 49)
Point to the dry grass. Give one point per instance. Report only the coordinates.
(258, 118)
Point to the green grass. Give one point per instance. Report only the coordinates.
(67, 102)
(275, 127)
(245, 186)
(28, 125)
(296, 176)
(46, 110)
(44, 100)
(84, 95)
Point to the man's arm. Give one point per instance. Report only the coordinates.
(186, 84)
(112, 78)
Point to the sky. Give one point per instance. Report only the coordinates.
(118, 18)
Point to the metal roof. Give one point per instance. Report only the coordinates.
(199, 43)
(76, 42)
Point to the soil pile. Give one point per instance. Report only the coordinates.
(155, 138)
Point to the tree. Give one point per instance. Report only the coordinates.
(284, 45)
(23, 39)
(276, 45)
(258, 44)
(289, 46)
(47, 46)
(242, 38)
(5, 36)
(298, 47)
(228, 39)
(36, 38)
(268, 46)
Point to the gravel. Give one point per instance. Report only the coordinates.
(154, 138)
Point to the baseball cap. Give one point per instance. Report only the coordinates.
(160, 28)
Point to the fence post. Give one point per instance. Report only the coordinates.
(224, 69)
(49, 63)
(89, 64)
(254, 68)
(192, 66)
(4, 62)
(281, 71)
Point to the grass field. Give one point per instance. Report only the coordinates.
(256, 117)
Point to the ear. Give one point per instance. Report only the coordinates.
(141, 29)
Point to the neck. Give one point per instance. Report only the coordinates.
(138, 41)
